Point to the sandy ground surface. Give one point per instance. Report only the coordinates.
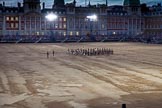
(133, 75)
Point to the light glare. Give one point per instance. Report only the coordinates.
(51, 17)
(92, 17)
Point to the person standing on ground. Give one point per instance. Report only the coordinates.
(47, 54)
(53, 53)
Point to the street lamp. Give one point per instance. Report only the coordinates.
(92, 18)
(51, 17)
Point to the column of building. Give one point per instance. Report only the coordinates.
(4, 25)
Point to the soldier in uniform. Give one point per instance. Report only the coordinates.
(47, 54)
(53, 53)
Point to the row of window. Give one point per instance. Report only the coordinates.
(74, 33)
(154, 26)
(60, 12)
(63, 26)
(15, 18)
(118, 26)
(114, 32)
(9, 18)
(154, 20)
(38, 25)
(154, 33)
(61, 19)
(33, 26)
(116, 13)
(12, 25)
(56, 26)
(71, 33)
(9, 11)
(156, 13)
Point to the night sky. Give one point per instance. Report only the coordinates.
(81, 2)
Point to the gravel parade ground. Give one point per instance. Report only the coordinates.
(132, 75)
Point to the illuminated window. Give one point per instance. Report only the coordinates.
(77, 33)
(71, 33)
(103, 26)
(64, 33)
(16, 25)
(60, 19)
(16, 18)
(37, 33)
(64, 26)
(12, 18)
(60, 26)
(56, 25)
(12, 25)
(7, 18)
(64, 19)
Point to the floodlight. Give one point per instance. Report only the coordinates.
(92, 17)
(51, 17)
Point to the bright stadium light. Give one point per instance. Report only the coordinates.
(51, 17)
(92, 17)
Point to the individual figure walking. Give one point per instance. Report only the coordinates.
(53, 53)
(68, 51)
(112, 52)
(47, 54)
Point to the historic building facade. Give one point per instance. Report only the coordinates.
(92, 20)
(153, 21)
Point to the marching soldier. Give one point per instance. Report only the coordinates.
(53, 53)
(47, 54)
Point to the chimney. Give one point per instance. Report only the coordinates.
(43, 5)
(19, 4)
(4, 4)
(106, 3)
(74, 2)
(89, 5)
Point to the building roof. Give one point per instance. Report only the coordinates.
(11, 9)
(131, 2)
(59, 2)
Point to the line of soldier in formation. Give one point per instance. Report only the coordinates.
(91, 51)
